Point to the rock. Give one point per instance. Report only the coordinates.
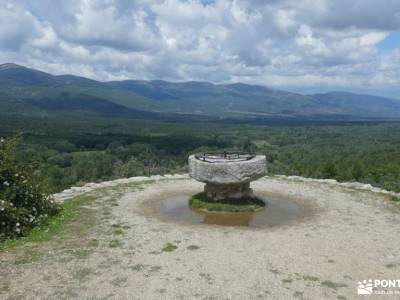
(227, 179)
(138, 178)
(228, 191)
(229, 172)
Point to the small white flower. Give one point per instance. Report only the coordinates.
(17, 224)
(1, 208)
(1, 140)
(6, 183)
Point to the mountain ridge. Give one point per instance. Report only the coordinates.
(32, 86)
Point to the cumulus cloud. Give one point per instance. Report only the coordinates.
(17, 26)
(296, 44)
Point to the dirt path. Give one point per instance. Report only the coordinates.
(113, 250)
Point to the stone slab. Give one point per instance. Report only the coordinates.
(229, 172)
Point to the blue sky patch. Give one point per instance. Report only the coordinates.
(392, 41)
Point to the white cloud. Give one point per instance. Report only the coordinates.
(286, 43)
(372, 38)
(17, 26)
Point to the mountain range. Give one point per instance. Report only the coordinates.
(25, 89)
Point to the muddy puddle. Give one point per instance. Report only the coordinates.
(278, 211)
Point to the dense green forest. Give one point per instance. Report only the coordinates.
(70, 149)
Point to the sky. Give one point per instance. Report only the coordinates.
(299, 45)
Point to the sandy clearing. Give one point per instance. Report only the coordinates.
(352, 235)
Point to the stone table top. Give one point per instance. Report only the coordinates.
(227, 171)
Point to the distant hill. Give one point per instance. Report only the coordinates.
(22, 87)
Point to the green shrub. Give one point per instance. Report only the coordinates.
(23, 202)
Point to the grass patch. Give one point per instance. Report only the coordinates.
(114, 243)
(29, 256)
(310, 278)
(118, 231)
(119, 281)
(136, 184)
(53, 225)
(4, 288)
(287, 280)
(201, 202)
(154, 269)
(298, 294)
(82, 274)
(114, 190)
(138, 267)
(81, 253)
(193, 247)
(396, 199)
(333, 285)
(168, 247)
(94, 243)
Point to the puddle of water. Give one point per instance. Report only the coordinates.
(278, 211)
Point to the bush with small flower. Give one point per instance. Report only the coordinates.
(23, 202)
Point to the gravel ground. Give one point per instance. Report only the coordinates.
(113, 249)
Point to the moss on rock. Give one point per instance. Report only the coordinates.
(201, 202)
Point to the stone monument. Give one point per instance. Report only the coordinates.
(227, 175)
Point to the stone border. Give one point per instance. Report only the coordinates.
(89, 187)
(352, 185)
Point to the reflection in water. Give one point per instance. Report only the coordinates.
(227, 219)
(278, 211)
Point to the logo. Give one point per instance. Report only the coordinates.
(379, 287)
(365, 287)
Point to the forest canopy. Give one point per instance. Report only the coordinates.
(94, 149)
